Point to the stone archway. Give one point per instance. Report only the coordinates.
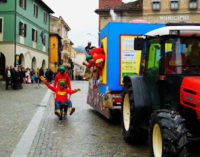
(43, 65)
(34, 64)
(2, 65)
(21, 60)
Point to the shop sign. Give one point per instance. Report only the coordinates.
(175, 18)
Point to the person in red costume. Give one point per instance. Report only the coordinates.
(62, 76)
(61, 96)
(97, 59)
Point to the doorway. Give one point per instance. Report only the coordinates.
(2, 65)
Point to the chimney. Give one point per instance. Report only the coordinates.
(109, 3)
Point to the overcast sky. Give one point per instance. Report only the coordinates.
(81, 18)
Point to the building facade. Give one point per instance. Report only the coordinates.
(79, 69)
(153, 11)
(55, 47)
(24, 33)
(60, 27)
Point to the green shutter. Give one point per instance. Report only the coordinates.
(32, 34)
(24, 30)
(36, 36)
(20, 28)
(20, 3)
(24, 4)
(1, 26)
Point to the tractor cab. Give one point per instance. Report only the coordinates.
(171, 54)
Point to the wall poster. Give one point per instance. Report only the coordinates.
(129, 58)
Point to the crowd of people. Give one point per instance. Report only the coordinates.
(16, 76)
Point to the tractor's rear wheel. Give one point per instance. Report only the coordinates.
(130, 123)
(168, 134)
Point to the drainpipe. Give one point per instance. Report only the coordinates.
(49, 43)
(15, 46)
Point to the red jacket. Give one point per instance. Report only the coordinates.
(61, 95)
(64, 77)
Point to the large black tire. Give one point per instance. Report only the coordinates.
(168, 134)
(132, 131)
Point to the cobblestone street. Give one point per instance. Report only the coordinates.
(84, 134)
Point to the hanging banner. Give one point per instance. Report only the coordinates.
(129, 58)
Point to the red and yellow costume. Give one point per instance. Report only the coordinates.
(61, 95)
(98, 58)
(64, 77)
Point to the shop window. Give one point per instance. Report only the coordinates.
(34, 35)
(35, 10)
(174, 4)
(156, 5)
(193, 4)
(1, 25)
(3, 1)
(45, 17)
(22, 29)
(22, 3)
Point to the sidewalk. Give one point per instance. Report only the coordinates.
(17, 109)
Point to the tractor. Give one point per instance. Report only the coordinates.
(162, 102)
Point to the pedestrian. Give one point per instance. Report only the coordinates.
(16, 79)
(8, 77)
(41, 73)
(20, 77)
(49, 75)
(32, 73)
(61, 96)
(12, 71)
(28, 76)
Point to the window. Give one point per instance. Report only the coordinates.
(22, 3)
(154, 55)
(174, 4)
(3, 1)
(1, 25)
(45, 17)
(35, 9)
(22, 29)
(155, 4)
(34, 35)
(193, 4)
(182, 55)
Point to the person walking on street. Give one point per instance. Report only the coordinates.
(8, 77)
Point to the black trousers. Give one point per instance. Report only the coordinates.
(8, 82)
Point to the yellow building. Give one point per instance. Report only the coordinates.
(55, 48)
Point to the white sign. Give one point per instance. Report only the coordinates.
(175, 18)
(127, 49)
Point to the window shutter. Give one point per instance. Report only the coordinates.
(20, 3)
(36, 36)
(32, 34)
(0, 25)
(24, 4)
(20, 32)
(36, 11)
(24, 30)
